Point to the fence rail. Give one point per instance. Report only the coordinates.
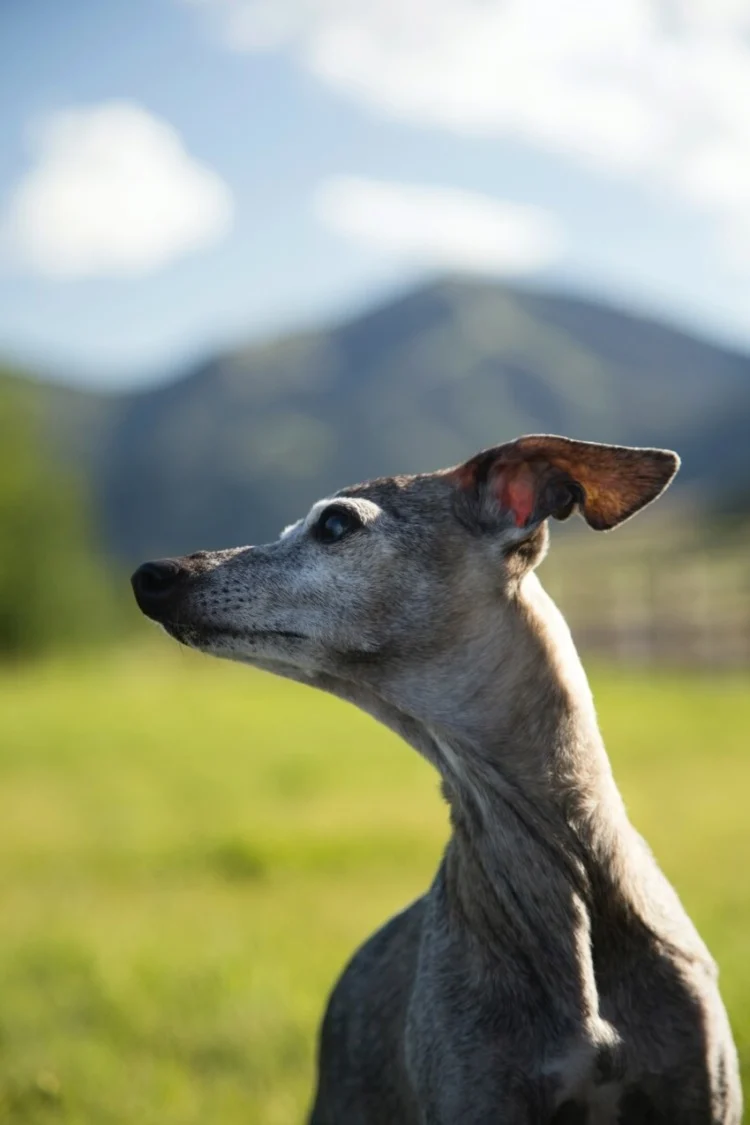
(691, 607)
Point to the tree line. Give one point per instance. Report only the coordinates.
(56, 587)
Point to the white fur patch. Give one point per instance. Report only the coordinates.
(290, 529)
(365, 509)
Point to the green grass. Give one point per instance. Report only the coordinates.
(190, 851)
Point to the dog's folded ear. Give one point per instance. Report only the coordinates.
(540, 475)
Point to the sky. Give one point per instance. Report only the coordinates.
(181, 175)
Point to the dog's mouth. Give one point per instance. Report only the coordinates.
(198, 635)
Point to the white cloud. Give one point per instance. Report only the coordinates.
(438, 226)
(645, 89)
(112, 191)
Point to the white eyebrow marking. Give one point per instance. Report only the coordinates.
(317, 508)
(365, 509)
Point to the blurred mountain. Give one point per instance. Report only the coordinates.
(245, 441)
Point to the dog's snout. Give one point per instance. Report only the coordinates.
(154, 583)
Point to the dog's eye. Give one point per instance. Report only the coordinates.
(335, 523)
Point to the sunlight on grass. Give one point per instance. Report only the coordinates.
(190, 851)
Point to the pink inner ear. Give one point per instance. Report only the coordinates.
(517, 494)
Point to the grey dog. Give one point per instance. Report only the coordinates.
(550, 974)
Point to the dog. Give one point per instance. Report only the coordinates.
(550, 975)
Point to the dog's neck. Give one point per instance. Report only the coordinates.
(516, 724)
(541, 846)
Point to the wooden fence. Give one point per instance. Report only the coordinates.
(688, 607)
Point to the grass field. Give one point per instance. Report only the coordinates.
(189, 852)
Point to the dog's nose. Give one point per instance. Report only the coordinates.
(154, 582)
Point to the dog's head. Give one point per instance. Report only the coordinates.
(387, 578)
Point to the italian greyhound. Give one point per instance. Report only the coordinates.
(550, 974)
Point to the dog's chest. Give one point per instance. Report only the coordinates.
(591, 1090)
(615, 1108)
(588, 1091)
(599, 1109)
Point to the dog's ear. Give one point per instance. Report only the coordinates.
(527, 480)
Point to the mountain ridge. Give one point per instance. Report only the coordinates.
(247, 438)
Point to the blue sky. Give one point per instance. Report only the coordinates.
(179, 174)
